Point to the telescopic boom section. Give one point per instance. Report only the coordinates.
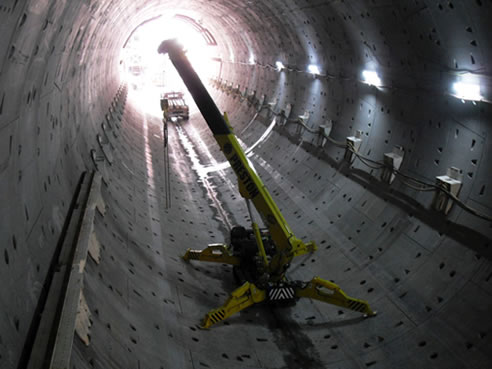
(250, 185)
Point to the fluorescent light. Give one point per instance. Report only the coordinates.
(313, 69)
(371, 78)
(251, 59)
(467, 91)
(279, 65)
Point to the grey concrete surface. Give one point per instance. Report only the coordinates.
(428, 275)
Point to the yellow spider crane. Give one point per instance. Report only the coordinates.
(260, 258)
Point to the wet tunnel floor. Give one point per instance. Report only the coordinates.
(146, 302)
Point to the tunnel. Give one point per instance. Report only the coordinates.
(369, 123)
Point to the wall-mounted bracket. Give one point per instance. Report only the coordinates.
(251, 97)
(392, 162)
(451, 183)
(304, 118)
(285, 114)
(303, 121)
(353, 146)
(261, 102)
(271, 107)
(324, 132)
(106, 148)
(96, 158)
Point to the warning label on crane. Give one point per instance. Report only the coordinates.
(244, 176)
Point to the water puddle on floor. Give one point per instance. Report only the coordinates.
(204, 177)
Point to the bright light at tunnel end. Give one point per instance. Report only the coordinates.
(313, 69)
(149, 74)
(371, 78)
(467, 91)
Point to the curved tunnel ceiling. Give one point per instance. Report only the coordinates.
(64, 111)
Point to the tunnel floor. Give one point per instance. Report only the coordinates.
(142, 281)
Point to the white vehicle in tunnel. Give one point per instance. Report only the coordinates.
(174, 105)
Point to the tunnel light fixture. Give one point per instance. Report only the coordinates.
(147, 71)
(279, 65)
(371, 78)
(467, 91)
(313, 69)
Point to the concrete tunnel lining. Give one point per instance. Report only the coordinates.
(428, 275)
